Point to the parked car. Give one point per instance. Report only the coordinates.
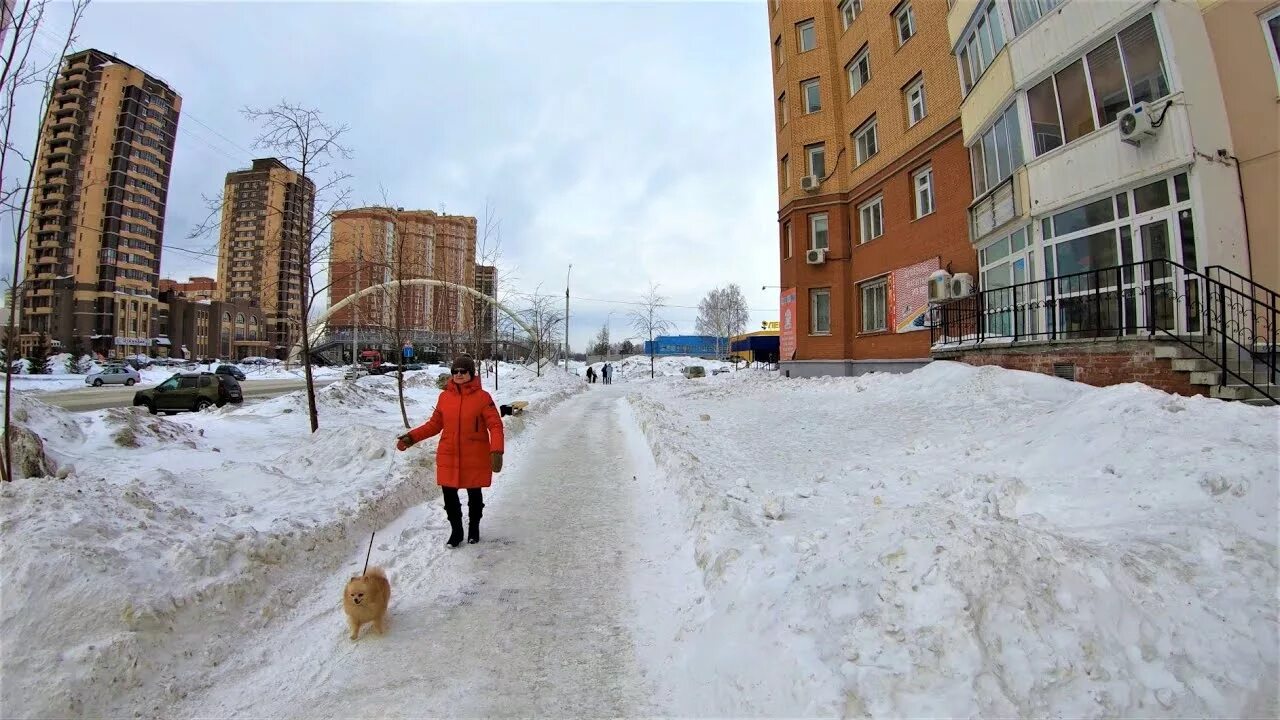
(355, 372)
(694, 371)
(721, 371)
(113, 375)
(193, 391)
(231, 370)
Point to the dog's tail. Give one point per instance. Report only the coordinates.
(376, 572)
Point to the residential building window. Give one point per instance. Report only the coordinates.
(875, 306)
(820, 311)
(916, 109)
(806, 35)
(784, 172)
(1027, 12)
(906, 18)
(1271, 29)
(859, 70)
(997, 153)
(818, 232)
(871, 219)
(865, 141)
(786, 240)
(1091, 92)
(980, 46)
(812, 96)
(777, 51)
(849, 10)
(782, 109)
(815, 157)
(923, 182)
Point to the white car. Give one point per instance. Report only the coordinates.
(114, 375)
(355, 372)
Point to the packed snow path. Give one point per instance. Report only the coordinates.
(536, 619)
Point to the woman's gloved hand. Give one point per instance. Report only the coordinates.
(404, 442)
(495, 460)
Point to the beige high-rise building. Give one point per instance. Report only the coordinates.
(376, 245)
(267, 214)
(98, 205)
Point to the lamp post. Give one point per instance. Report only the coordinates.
(566, 317)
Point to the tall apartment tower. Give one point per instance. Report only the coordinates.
(267, 214)
(873, 179)
(487, 317)
(98, 205)
(374, 245)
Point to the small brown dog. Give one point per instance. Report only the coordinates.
(366, 599)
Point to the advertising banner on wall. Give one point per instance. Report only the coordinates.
(909, 296)
(787, 331)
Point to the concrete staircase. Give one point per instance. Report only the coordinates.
(1206, 373)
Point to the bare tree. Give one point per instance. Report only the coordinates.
(723, 313)
(648, 322)
(300, 138)
(488, 254)
(545, 320)
(23, 70)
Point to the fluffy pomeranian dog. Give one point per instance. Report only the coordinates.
(365, 600)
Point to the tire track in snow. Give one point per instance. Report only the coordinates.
(535, 620)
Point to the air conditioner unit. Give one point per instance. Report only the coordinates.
(1135, 124)
(961, 285)
(816, 257)
(939, 286)
(809, 183)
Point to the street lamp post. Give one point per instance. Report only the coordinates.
(566, 317)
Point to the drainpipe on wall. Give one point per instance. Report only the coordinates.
(1248, 247)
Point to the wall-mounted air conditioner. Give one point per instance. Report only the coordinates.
(816, 257)
(961, 285)
(809, 183)
(939, 286)
(1136, 125)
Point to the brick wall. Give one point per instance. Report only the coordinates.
(1096, 363)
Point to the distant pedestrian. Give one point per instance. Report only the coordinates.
(608, 374)
(591, 374)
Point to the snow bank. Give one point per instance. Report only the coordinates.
(636, 368)
(171, 539)
(972, 541)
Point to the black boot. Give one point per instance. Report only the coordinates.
(475, 509)
(453, 510)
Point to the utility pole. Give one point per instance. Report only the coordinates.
(566, 317)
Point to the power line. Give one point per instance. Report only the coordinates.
(621, 302)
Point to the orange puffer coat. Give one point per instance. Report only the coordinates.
(470, 429)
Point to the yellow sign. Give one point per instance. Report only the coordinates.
(770, 325)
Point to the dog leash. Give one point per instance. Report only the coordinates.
(366, 555)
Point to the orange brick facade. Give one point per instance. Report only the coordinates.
(933, 142)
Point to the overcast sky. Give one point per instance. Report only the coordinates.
(634, 141)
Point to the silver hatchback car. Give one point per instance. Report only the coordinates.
(114, 375)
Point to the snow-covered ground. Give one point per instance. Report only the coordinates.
(57, 377)
(636, 367)
(954, 542)
(168, 541)
(970, 542)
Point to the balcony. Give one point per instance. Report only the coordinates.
(1064, 34)
(65, 122)
(988, 98)
(1100, 161)
(1002, 205)
(958, 18)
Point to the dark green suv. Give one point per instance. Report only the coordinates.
(190, 391)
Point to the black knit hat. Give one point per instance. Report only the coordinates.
(464, 362)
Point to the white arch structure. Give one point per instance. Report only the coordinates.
(316, 327)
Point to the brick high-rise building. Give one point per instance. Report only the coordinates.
(267, 215)
(98, 205)
(375, 245)
(486, 317)
(873, 179)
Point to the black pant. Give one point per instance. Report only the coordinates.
(475, 498)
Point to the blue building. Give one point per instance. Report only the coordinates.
(692, 345)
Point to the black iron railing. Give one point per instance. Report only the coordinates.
(1222, 316)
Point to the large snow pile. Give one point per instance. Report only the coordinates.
(170, 540)
(971, 542)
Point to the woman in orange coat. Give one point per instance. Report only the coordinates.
(470, 449)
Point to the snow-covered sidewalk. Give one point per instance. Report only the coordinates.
(972, 542)
(536, 620)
